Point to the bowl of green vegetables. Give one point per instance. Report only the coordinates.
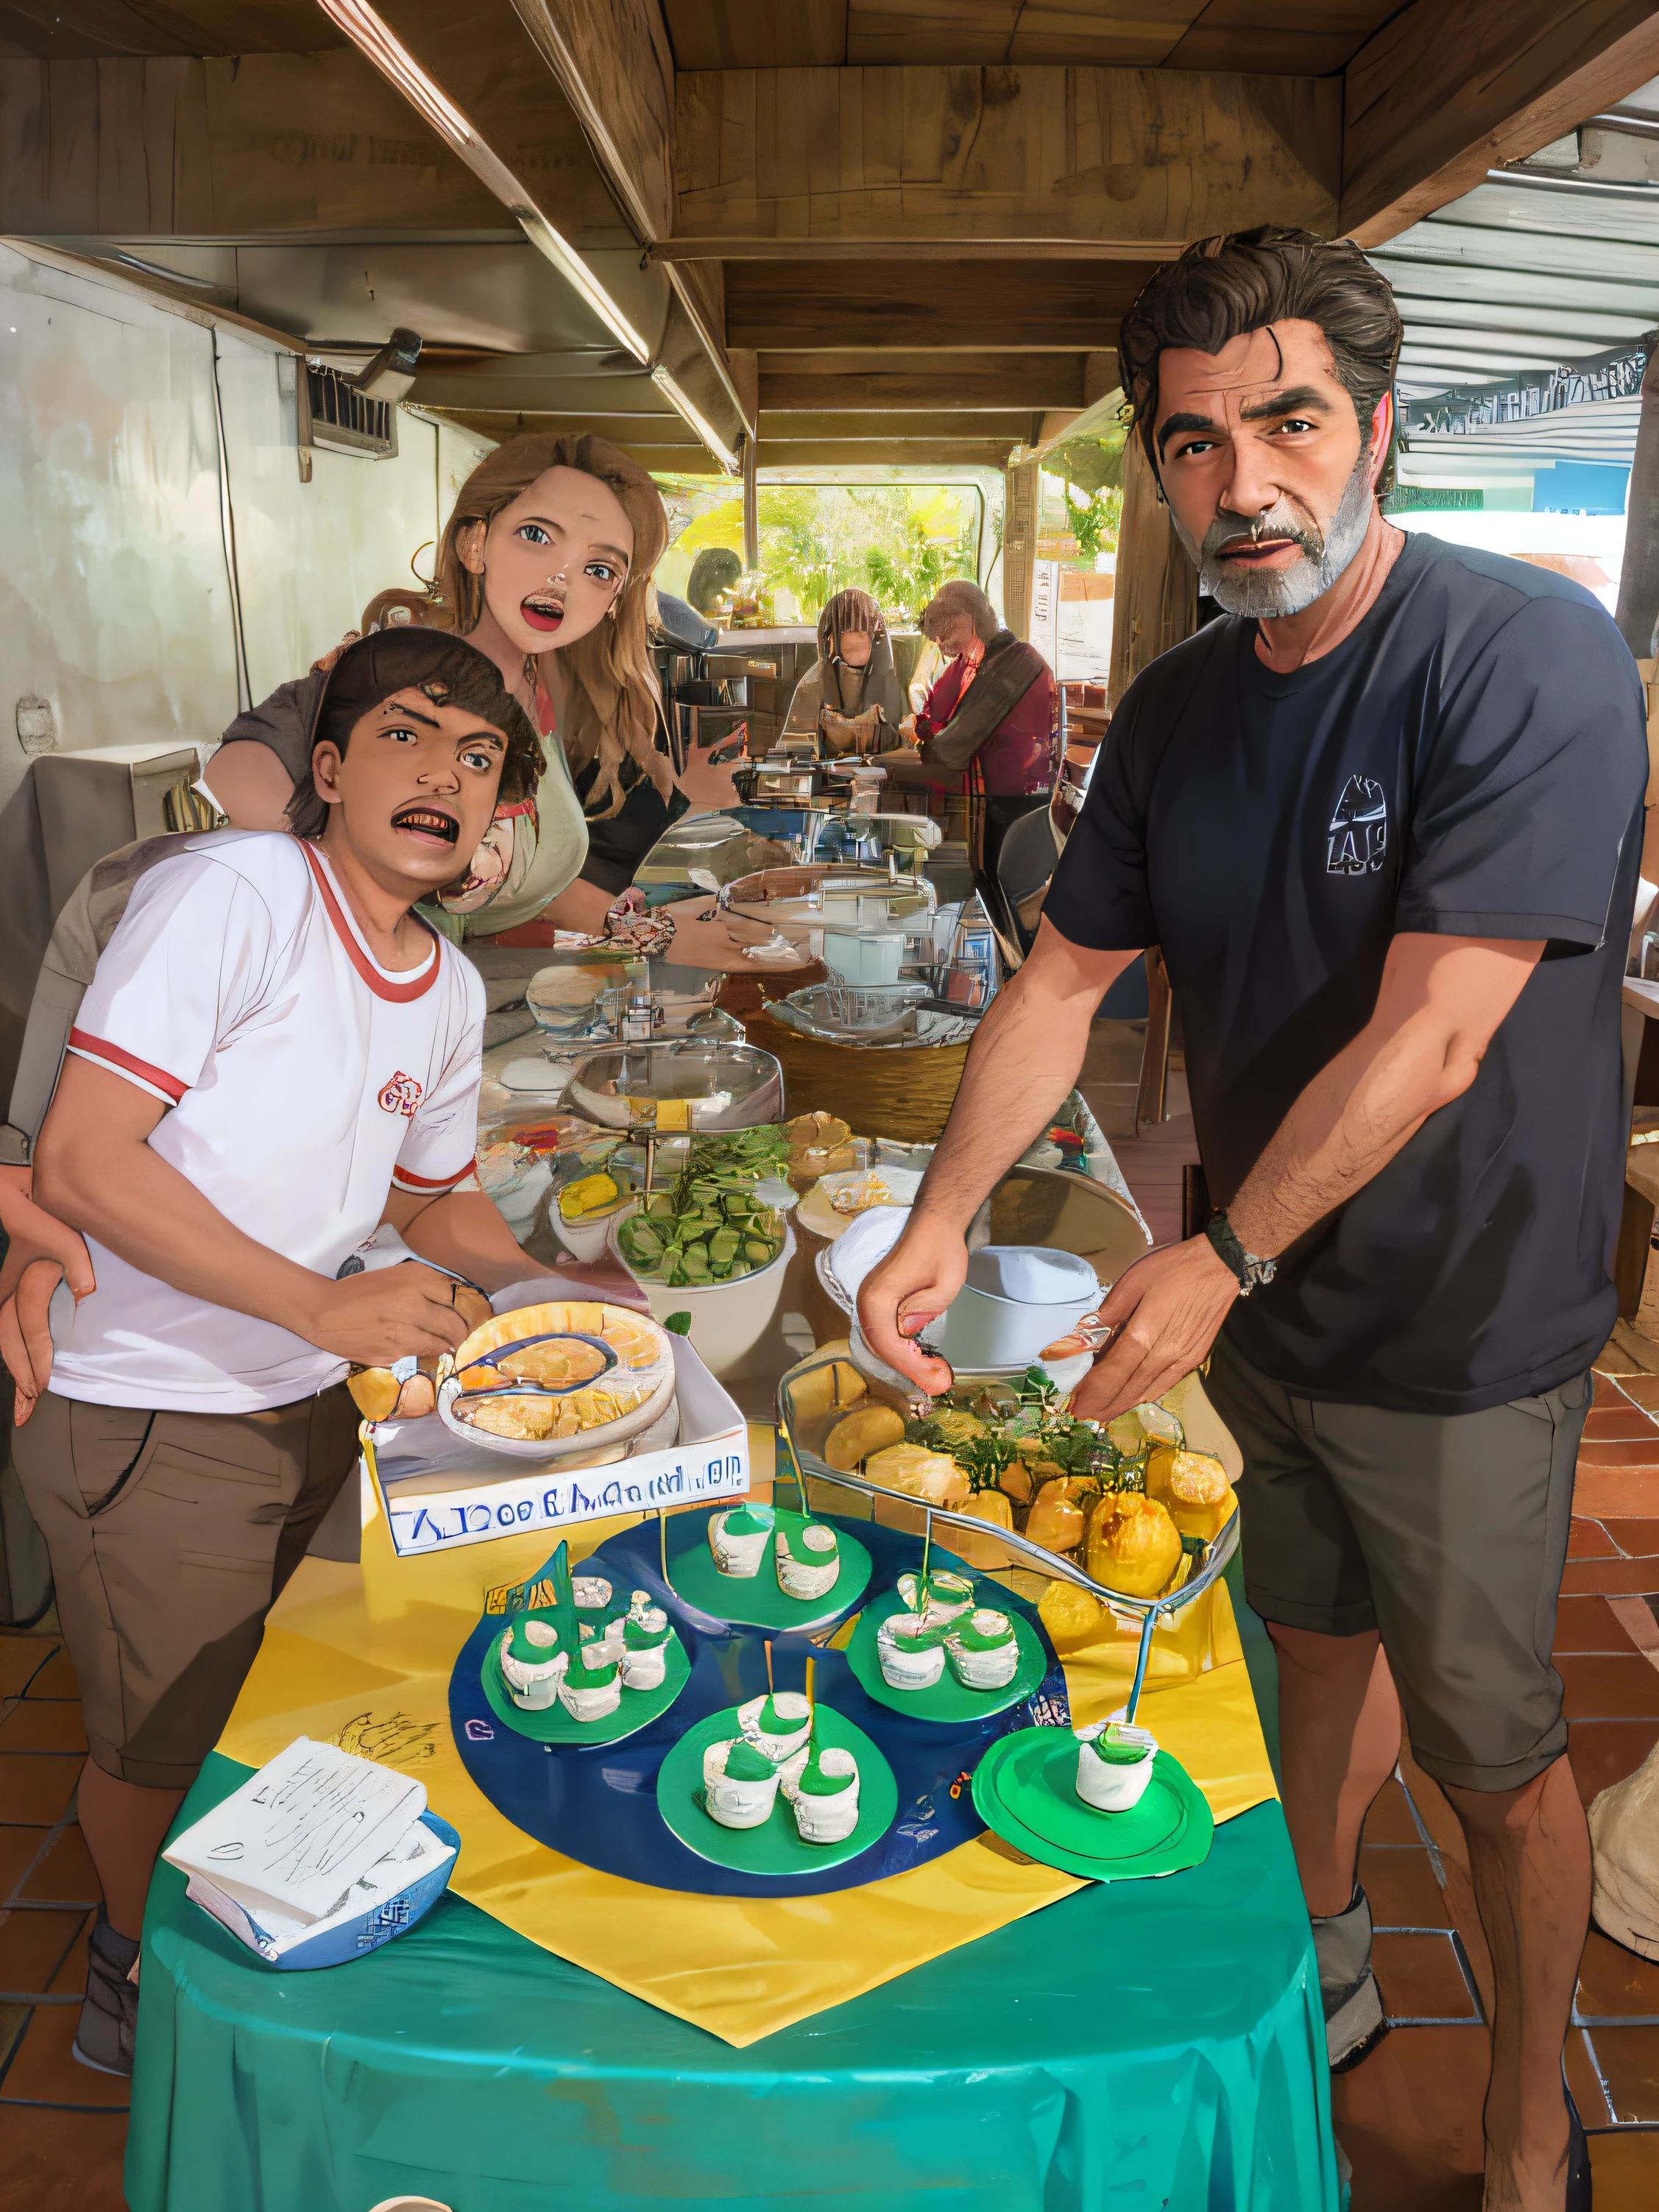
(715, 1241)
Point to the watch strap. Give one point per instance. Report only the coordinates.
(1249, 1269)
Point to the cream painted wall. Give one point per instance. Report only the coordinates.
(117, 605)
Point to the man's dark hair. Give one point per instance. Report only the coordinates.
(450, 673)
(1223, 287)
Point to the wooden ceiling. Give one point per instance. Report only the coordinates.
(1302, 38)
(854, 229)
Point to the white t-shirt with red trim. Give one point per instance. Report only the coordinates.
(303, 1079)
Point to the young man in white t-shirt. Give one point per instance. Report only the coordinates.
(275, 1056)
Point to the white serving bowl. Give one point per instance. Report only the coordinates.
(728, 1320)
(586, 1239)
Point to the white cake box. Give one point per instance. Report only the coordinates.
(441, 1493)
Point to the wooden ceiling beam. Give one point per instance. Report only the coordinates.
(1450, 88)
(1000, 247)
(950, 384)
(905, 157)
(985, 307)
(939, 452)
(1012, 425)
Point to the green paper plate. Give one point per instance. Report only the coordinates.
(756, 1601)
(948, 1700)
(1025, 1791)
(555, 1725)
(775, 1847)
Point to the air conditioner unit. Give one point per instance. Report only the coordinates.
(335, 413)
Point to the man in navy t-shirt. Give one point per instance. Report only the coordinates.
(1384, 821)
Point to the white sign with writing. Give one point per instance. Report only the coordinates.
(427, 1513)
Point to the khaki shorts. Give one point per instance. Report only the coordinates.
(170, 1536)
(1446, 1532)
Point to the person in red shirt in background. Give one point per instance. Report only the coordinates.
(992, 717)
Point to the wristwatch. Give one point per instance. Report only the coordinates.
(1250, 1271)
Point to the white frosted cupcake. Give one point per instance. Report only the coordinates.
(809, 1563)
(592, 1688)
(644, 1649)
(777, 1726)
(738, 1537)
(938, 1597)
(532, 1665)
(740, 1784)
(1113, 1765)
(823, 1788)
(984, 1649)
(911, 1654)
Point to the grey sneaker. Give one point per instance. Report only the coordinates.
(109, 2018)
(1354, 2024)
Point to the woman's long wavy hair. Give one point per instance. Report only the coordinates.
(612, 708)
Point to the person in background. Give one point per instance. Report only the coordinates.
(545, 565)
(853, 673)
(274, 1058)
(712, 581)
(992, 716)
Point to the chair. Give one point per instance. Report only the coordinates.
(1025, 867)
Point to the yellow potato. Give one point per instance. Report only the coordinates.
(1072, 1617)
(1194, 1487)
(820, 1130)
(417, 1398)
(1134, 1545)
(1017, 1480)
(919, 1472)
(375, 1392)
(856, 1434)
(1057, 1519)
(821, 1389)
(989, 1505)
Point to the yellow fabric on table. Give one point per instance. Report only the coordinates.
(362, 1656)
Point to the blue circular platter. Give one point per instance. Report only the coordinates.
(598, 1804)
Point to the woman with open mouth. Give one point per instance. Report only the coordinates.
(544, 565)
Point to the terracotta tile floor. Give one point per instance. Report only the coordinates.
(1409, 2117)
(63, 2129)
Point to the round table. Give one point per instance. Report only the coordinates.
(1141, 2044)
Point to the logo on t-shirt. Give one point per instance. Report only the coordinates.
(1359, 829)
(401, 1095)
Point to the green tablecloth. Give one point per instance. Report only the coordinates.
(1146, 2044)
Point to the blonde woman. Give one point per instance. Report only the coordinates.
(544, 565)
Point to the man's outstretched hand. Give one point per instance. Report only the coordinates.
(917, 1280)
(1165, 1313)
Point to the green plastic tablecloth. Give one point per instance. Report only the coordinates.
(1143, 2044)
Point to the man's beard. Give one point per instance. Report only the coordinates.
(1265, 593)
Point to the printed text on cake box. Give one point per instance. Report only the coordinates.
(715, 1467)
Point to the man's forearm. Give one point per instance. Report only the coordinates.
(1440, 1004)
(1022, 1063)
(464, 1231)
(128, 1197)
